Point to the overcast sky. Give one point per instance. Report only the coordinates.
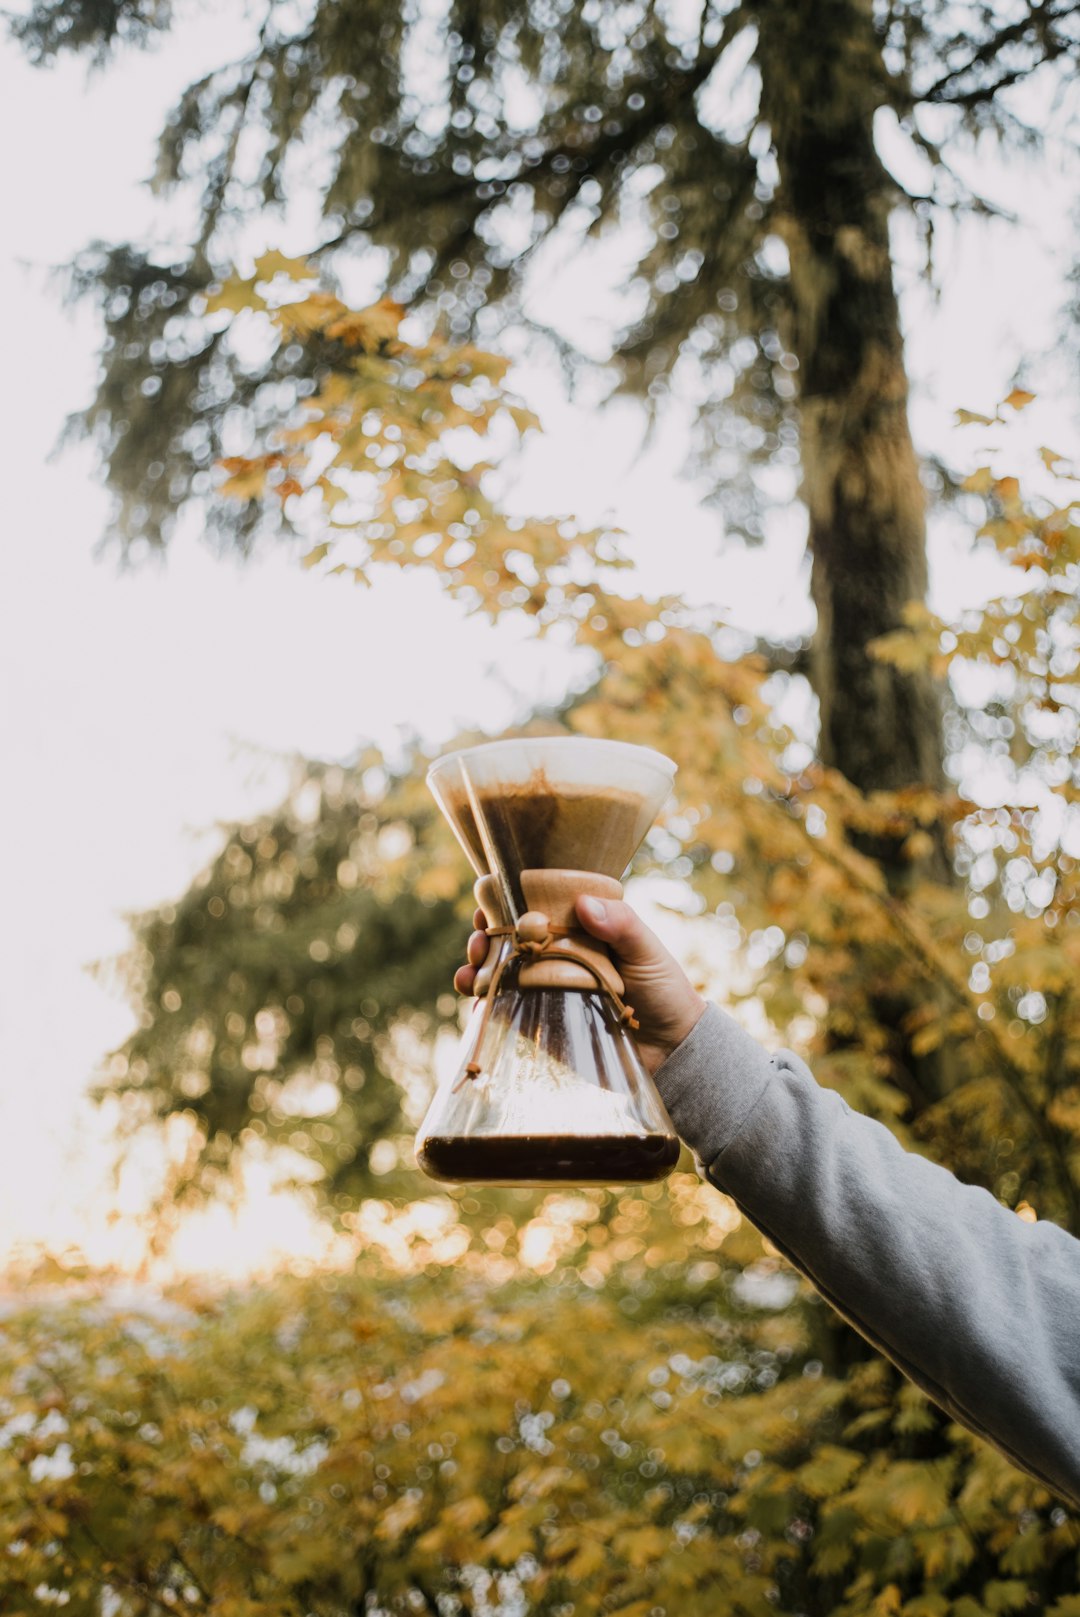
(138, 710)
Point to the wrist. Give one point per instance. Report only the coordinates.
(713, 1082)
(689, 1016)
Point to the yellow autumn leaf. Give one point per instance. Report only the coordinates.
(234, 295)
(927, 1605)
(917, 1493)
(589, 1557)
(919, 845)
(402, 1515)
(246, 480)
(272, 263)
(467, 1512)
(1005, 1594)
(524, 420)
(829, 1472)
(967, 418)
(370, 327)
(903, 649)
(307, 315)
(887, 1602)
(511, 1539)
(945, 1552)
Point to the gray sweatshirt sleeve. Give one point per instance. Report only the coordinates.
(977, 1306)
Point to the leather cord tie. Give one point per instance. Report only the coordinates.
(533, 936)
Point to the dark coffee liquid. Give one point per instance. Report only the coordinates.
(548, 1159)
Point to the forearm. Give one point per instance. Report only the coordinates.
(977, 1306)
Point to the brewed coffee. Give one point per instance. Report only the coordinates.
(578, 1159)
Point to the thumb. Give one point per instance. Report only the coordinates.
(617, 924)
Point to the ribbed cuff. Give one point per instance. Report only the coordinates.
(711, 1083)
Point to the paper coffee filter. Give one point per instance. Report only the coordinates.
(446, 782)
(550, 802)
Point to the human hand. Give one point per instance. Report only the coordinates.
(666, 1004)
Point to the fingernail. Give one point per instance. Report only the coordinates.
(594, 908)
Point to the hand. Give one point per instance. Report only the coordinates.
(665, 1003)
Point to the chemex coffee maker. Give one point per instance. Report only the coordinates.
(549, 1088)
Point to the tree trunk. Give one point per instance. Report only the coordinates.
(881, 727)
(861, 484)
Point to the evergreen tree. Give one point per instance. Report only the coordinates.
(739, 137)
(271, 995)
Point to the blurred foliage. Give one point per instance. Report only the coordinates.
(252, 1025)
(383, 461)
(731, 145)
(252, 1031)
(416, 1437)
(785, 1468)
(93, 26)
(940, 1006)
(282, 999)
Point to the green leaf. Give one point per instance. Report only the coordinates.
(1026, 1554)
(1005, 1594)
(916, 1413)
(928, 1605)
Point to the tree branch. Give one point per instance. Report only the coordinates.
(1039, 20)
(675, 90)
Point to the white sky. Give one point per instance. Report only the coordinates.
(138, 710)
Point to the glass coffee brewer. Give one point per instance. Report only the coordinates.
(549, 1088)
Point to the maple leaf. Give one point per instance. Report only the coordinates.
(967, 418)
(368, 328)
(234, 295)
(1051, 459)
(273, 263)
(247, 478)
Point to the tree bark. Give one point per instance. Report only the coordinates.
(861, 482)
(879, 726)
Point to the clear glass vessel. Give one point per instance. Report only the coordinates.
(549, 1088)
